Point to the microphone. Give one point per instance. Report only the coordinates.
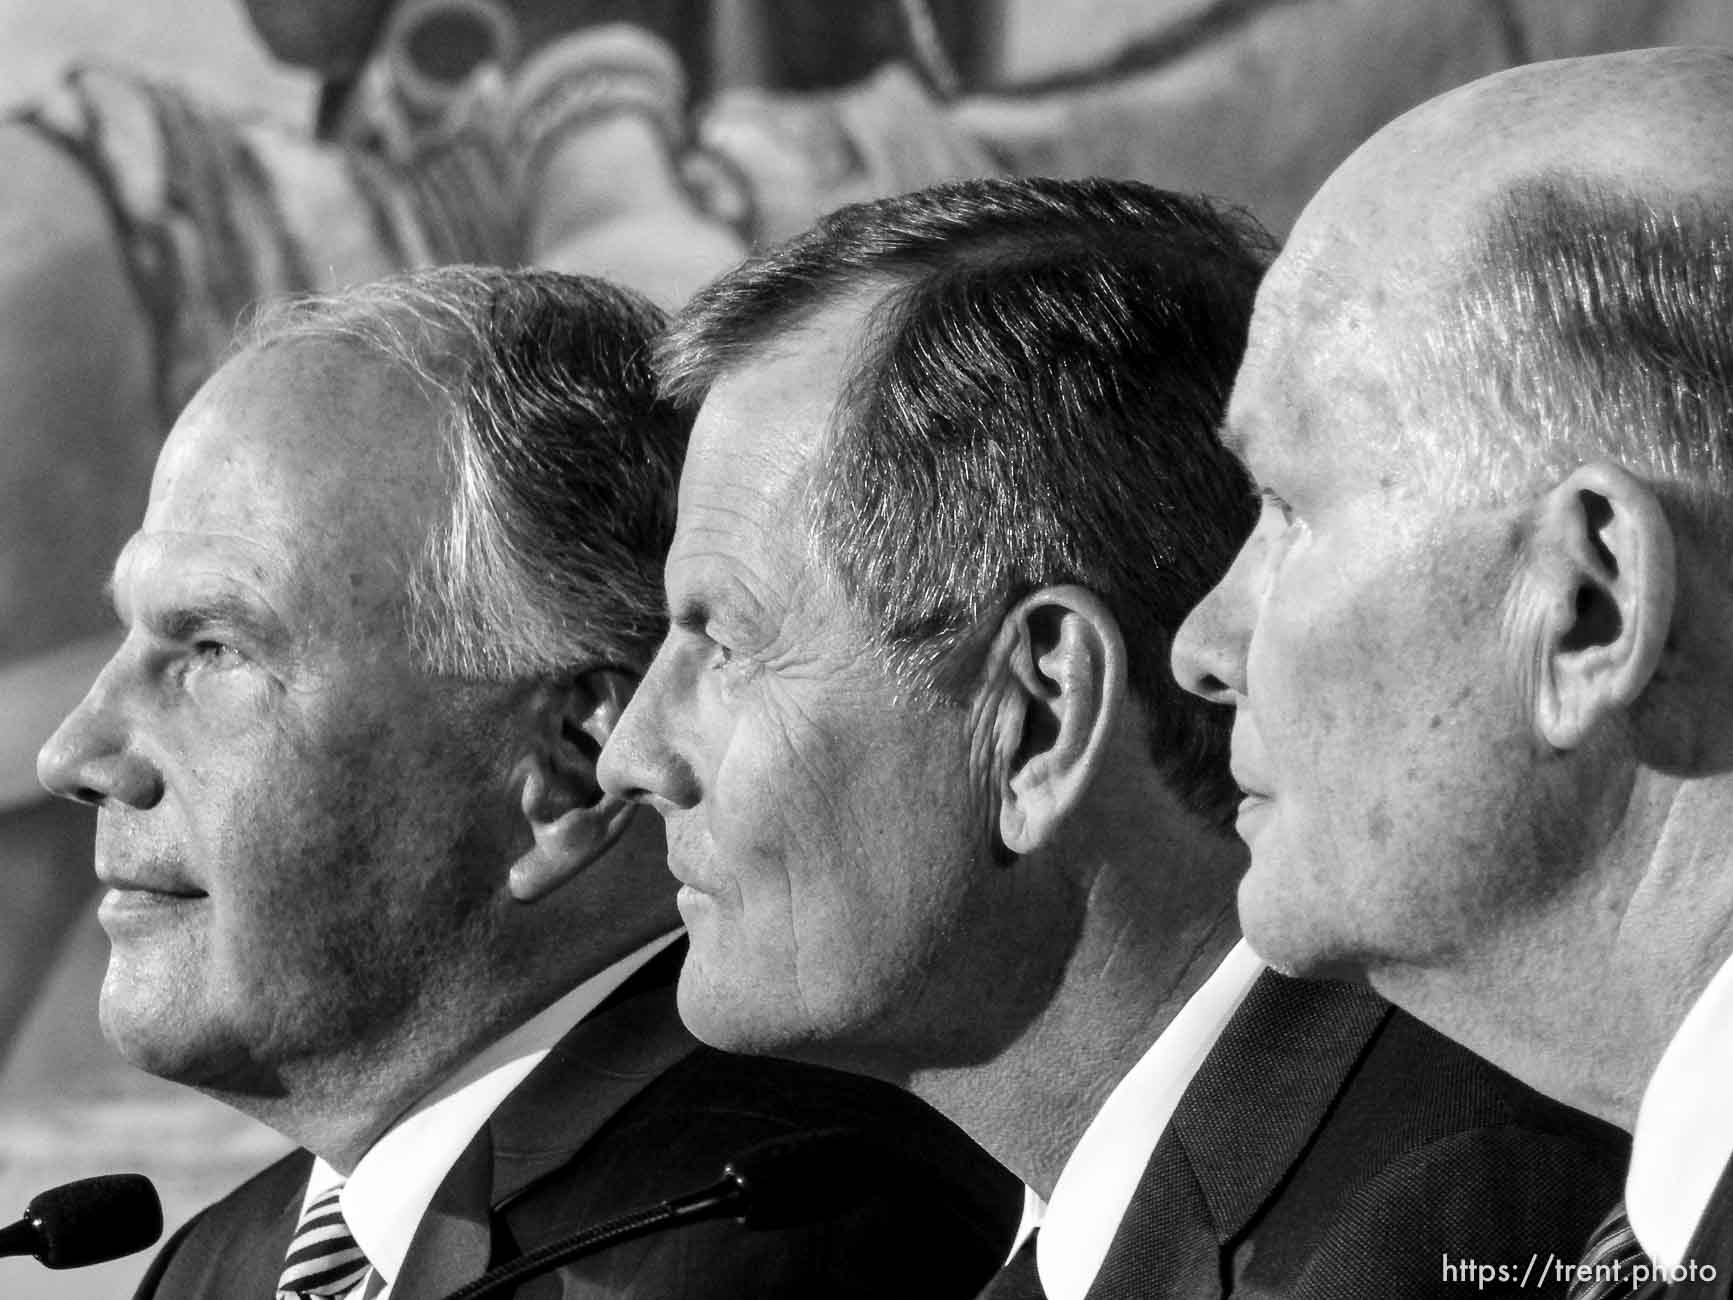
(782, 1183)
(90, 1221)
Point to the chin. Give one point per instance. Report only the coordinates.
(172, 1038)
(154, 1044)
(724, 1017)
(1294, 934)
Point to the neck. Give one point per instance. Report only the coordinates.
(1546, 1013)
(339, 1105)
(1580, 1000)
(1136, 961)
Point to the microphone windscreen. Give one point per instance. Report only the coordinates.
(807, 1177)
(95, 1220)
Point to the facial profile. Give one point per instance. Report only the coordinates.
(915, 692)
(821, 821)
(1378, 734)
(263, 737)
(1358, 636)
(1459, 582)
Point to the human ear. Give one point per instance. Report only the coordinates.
(1605, 551)
(571, 819)
(1064, 677)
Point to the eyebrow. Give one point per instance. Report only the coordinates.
(183, 620)
(717, 604)
(690, 615)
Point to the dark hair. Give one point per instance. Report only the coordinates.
(561, 457)
(1034, 401)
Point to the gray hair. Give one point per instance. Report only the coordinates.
(1034, 402)
(561, 458)
(1590, 324)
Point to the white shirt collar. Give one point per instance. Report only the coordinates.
(1684, 1137)
(1095, 1187)
(392, 1186)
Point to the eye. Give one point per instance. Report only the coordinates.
(218, 654)
(732, 668)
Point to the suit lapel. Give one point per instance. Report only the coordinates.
(1267, 1087)
(1261, 1094)
(605, 1061)
(618, 1051)
(1165, 1248)
(260, 1269)
(454, 1238)
(1712, 1245)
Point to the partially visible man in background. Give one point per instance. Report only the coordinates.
(940, 814)
(1479, 641)
(394, 586)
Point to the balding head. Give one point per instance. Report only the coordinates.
(1544, 256)
(1648, 122)
(1473, 641)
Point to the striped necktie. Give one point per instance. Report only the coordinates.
(1607, 1265)
(323, 1259)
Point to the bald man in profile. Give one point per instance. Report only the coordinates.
(1481, 639)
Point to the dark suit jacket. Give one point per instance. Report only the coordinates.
(1332, 1148)
(629, 1110)
(1712, 1247)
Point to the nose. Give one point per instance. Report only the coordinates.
(642, 760)
(91, 757)
(1209, 653)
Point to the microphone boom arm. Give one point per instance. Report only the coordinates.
(721, 1199)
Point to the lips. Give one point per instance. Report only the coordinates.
(1255, 804)
(687, 878)
(1252, 786)
(132, 857)
(129, 914)
(1244, 763)
(684, 864)
(160, 882)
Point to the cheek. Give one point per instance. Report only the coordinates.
(797, 816)
(827, 835)
(1338, 675)
(759, 808)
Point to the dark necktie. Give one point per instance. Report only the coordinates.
(1607, 1266)
(323, 1259)
(1018, 1280)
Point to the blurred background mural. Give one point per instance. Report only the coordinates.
(776, 110)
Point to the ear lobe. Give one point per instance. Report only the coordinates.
(1066, 677)
(572, 821)
(1607, 552)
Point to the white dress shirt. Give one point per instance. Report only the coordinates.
(392, 1186)
(1684, 1137)
(1096, 1185)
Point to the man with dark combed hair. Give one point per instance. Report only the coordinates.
(939, 812)
(395, 583)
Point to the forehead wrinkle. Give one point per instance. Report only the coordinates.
(739, 522)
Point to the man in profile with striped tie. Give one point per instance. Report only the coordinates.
(941, 814)
(1480, 642)
(394, 584)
